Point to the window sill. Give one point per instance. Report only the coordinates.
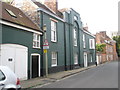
(37, 47)
(92, 48)
(53, 65)
(75, 45)
(54, 41)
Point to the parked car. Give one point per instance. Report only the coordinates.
(8, 80)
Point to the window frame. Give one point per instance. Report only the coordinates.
(92, 43)
(55, 58)
(36, 40)
(53, 31)
(84, 43)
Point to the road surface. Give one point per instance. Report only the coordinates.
(103, 76)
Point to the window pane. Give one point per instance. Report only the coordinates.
(76, 59)
(38, 44)
(36, 40)
(52, 28)
(75, 37)
(34, 43)
(38, 37)
(55, 26)
(52, 35)
(52, 24)
(34, 36)
(53, 31)
(54, 59)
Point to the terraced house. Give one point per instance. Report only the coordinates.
(71, 45)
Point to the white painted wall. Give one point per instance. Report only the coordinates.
(19, 56)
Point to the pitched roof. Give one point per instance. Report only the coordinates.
(15, 15)
(40, 5)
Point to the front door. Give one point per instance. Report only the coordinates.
(98, 59)
(85, 60)
(35, 66)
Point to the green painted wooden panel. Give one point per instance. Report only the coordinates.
(55, 46)
(17, 36)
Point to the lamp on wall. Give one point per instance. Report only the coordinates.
(44, 27)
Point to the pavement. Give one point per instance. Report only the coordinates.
(31, 83)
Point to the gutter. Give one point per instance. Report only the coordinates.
(20, 27)
(88, 33)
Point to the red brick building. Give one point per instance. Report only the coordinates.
(109, 53)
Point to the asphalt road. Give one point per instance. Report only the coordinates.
(103, 76)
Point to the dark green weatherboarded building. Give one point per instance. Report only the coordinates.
(71, 45)
(79, 42)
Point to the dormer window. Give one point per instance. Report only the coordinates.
(11, 13)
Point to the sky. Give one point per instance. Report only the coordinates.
(100, 15)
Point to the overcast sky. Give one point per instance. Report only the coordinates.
(100, 15)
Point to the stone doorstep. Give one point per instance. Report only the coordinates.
(51, 77)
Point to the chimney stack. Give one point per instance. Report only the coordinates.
(52, 4)
(86, 27)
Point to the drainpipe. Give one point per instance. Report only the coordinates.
(42, 59)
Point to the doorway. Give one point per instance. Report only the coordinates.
(35, 65)
(85, 60)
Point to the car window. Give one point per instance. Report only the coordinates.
(2, 76)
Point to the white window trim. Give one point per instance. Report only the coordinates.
(36, 41)
(75, 38)
(75, 57)
(53, 65)
(54, 30)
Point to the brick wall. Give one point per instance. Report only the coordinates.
(110, 53)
